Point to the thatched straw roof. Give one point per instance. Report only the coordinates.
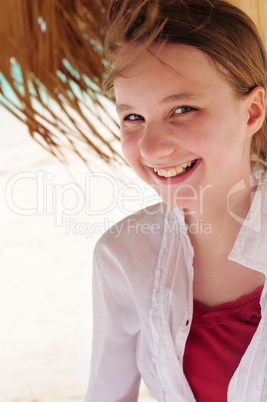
(52, 57)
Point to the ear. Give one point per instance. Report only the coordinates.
(256, 110)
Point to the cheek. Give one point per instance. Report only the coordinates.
(130, 149)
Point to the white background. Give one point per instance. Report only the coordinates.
(46, 268)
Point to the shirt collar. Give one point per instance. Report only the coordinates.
(250, 248)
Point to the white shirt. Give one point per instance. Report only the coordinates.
(143, 307)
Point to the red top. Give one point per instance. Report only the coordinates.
(218, 338)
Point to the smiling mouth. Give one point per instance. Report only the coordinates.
(176, 171)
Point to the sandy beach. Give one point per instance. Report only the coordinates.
(51, 217)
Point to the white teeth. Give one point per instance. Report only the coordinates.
(173, 171)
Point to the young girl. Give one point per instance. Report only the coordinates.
(179, 295)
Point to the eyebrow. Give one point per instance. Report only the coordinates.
(183, 96)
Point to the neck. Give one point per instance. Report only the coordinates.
(219, 221)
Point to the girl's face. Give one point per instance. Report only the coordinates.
(182, 129)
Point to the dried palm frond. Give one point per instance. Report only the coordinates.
(52, 57)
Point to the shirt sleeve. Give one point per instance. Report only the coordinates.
(114, 376)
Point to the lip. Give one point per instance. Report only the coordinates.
(169, 167)
(176, 179)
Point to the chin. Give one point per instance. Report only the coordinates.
(182, 204)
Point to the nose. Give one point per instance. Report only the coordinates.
(156, 143)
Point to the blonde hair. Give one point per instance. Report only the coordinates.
(216, 27)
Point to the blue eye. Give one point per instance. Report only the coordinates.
(183, 109)
(133, 117)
